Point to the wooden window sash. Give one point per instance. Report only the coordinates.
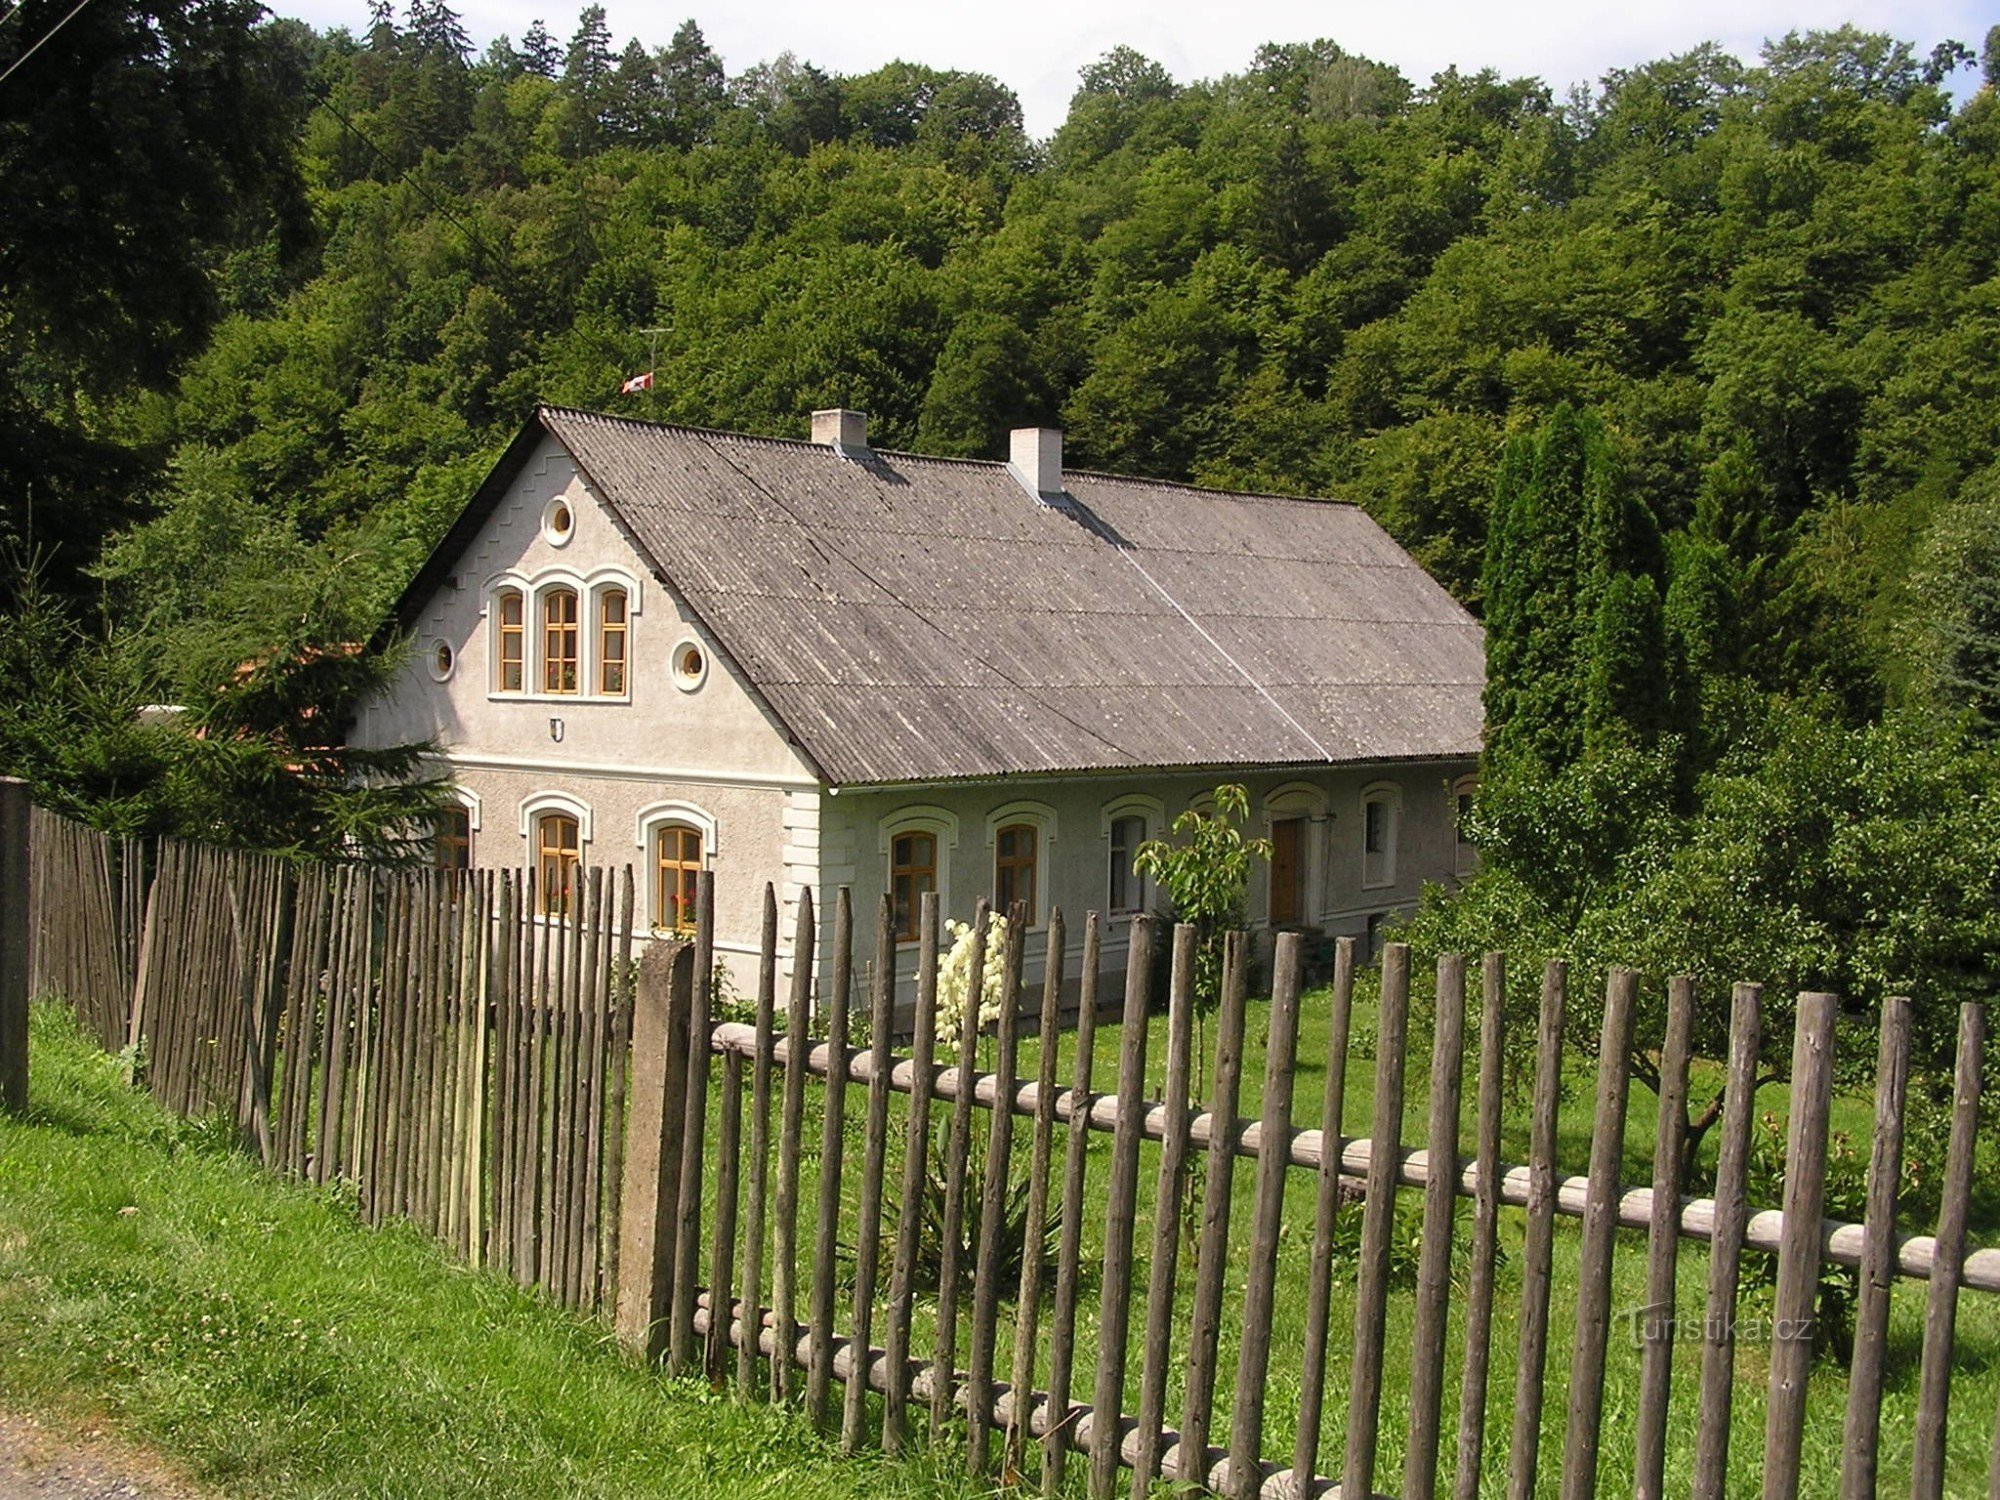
(1127, 834)
(677, 856)
(451, 844)
(513, 643)
(612, 636)
(910, 879)
(559, 848)
(1014, 871)
(559, 641)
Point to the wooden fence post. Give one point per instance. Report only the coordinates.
(694, 1127)
(1941, 1297)
(650, 1197)
(13, 945)
(1862, 1433)
(1718, 1352)
(1797, 1298)
(1600, 1229)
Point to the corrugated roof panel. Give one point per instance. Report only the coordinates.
(913, 618)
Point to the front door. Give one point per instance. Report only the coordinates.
(1288, 871)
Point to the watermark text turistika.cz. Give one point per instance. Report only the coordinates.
(1654, 1321)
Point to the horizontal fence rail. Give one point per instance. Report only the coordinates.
(1033, 1245)
(1841, 1243)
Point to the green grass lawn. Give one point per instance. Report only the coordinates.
(258, 1334)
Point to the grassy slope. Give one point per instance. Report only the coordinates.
(256, 1332)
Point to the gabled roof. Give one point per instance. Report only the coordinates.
(914, 619)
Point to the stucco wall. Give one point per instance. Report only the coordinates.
(718, 730)
(743, 850)
(1074, 814)
(713, 750)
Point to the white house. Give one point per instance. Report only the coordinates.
(817, 664)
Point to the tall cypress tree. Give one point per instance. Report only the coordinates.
(1502, 588)
(1534, 646)
(1576, 641)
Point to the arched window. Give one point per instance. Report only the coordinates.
(1016, 854)
(1381, 831)
(1020, 834)
(451, 839)
(676, 876)
(511, 653)
(1466, 855)
(916, 845)
(1127, 887)
(912, 876)
(559, 862)
(1129, 822)
(611, 636)
(560, 665)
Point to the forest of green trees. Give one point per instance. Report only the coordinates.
(1689, 383)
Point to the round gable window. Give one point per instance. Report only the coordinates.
(558, 523)
(443, 659)
(690, 666)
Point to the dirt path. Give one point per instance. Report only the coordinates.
(52, 1459)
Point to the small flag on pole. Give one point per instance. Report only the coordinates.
(637, 383)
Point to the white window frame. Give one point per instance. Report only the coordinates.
(1378, 871)
(534, 589)
(535, 804)
(941, 823)
(489, 611)
(601, 583)
(648, 822)
(549, 532)
(468, 803)
(1302, 799)
(1042, 818)
(1465, 853)
(545, 585)
(1152, 814)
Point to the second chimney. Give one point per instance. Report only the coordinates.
(1035, 454)
(840, 429)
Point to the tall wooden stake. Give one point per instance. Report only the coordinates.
(13, 945)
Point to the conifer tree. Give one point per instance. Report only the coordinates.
(1576, 639)
(586, 84)
(538, 49)
(694, 84)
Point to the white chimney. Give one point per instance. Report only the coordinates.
(1035, 455)
(842, 430)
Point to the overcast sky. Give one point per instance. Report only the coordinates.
(1037, 46)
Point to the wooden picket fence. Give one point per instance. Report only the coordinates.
(1029, 1405)
(90, 954)
(423, 1036)
(869, 1242)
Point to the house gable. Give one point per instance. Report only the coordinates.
(667, 722)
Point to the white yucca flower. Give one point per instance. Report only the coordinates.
(955, 978)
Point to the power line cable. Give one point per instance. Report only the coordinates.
(80, 4)
(403, 174)
(20, 6)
